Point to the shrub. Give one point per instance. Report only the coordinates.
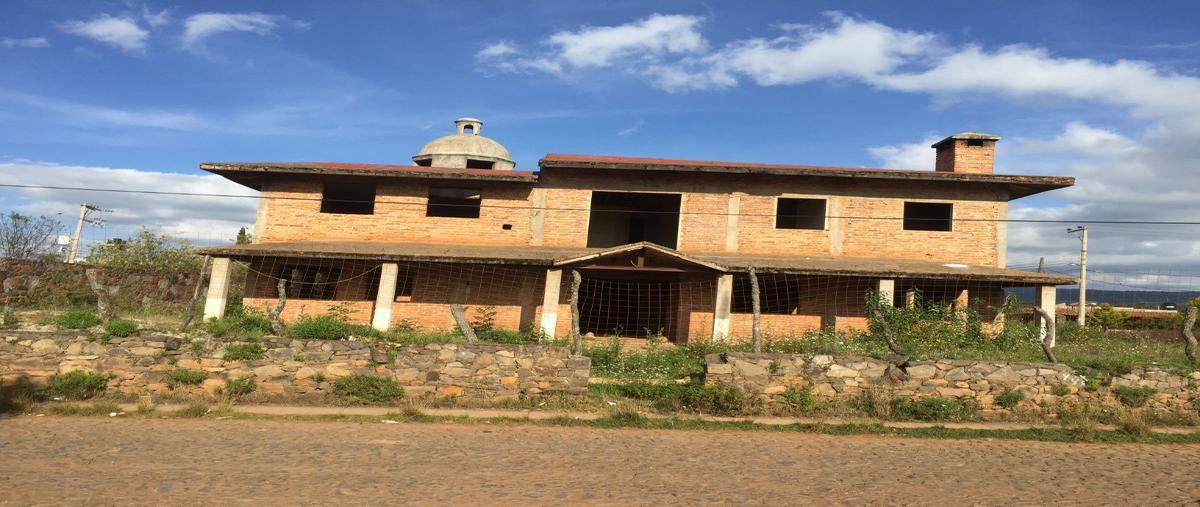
(1106, 318)
(76, 319)
(874, 402)
(194, 409)
(76, 385)
(1134, 396)
(243, 352)
(801, 399)
(240, 386)
(1010, 398)
(239, 323)
(185, 377)
(120, 327)
(1060, 390)
(368, 388)
(934, 409)
(720, 399)
(321, 327)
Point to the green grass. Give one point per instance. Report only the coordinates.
(243, 352)
(1134, 396)
(76, 319)
(239, 386)
(1010, 398)
(239, 323)
(177, 378)
(321, 327)
(98, 408)
(120, 327)
(633, 420)
(76, 385)
(369, 389)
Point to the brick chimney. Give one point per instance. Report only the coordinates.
(966, 152)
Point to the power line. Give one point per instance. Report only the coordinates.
(547, 208)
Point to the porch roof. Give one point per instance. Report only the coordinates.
(559, 257)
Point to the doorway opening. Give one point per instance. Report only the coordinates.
(621, 218)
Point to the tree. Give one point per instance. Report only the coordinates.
(26, 237)
(1106, 318)
(149, 251)
(243, 237)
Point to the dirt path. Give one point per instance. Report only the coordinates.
(80, 460)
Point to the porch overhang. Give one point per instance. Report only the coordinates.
(717, 263)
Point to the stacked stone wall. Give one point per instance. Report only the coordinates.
(846, 377)
(293, 368)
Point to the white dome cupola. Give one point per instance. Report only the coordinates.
(466, 149)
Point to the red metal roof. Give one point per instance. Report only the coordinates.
(609, 159)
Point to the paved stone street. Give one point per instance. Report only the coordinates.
(78, 460)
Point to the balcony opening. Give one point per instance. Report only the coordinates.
(454, 202)
(620, 218)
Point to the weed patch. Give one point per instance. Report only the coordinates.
(177, 378)
(120, 327)
(76, 385)
(1134, 396)
(368, 389)
(239, 386)
(1010, 398)
(243, 352)
(76, 319)
(320, 327)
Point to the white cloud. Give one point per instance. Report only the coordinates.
(123, 32)
(84, 114)
(155, 19)
(916, 155)
(644, 41)
(28, 42)
(631, 130)
(198, 219)
(199, 27)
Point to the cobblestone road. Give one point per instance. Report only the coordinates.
(81, 460)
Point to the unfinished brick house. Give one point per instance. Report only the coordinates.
(662, 246)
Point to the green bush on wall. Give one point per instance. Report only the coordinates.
(368, 389)
(120, 327)
(76, 319)
(76, 385)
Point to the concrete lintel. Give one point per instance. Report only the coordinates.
(218, 289)
(381, 319)
(724, 303)
(550, 297)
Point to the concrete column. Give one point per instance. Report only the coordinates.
(218, 289)
(385, 296)
(724, 303)
(733, 211)
(537, 217)
(887, 291)
(1046, 295)
(550, 301)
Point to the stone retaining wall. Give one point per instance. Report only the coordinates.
(291, 368)
(845, 377)
(58, 283)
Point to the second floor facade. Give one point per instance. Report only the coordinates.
(955, 214)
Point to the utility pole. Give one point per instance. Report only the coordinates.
(84, 208)
(1082, 230)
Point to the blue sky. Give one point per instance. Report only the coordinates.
(1104, 91)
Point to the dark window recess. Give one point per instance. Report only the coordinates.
(348, 198)
(454, 202)
(307, 282)
(974, 142)
(928, 216)
(425, 162)
(479, 164)
(405, 280)
(800, 214)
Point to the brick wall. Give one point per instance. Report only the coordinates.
(294, 214)
(860, 232)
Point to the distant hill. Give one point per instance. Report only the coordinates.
(1149, 298)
